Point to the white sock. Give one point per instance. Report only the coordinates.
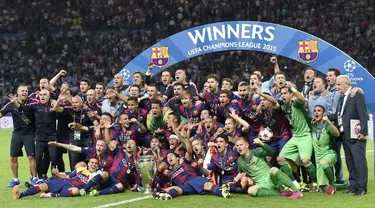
(15, 179)
(296, 184)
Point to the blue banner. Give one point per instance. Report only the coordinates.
(255, 36)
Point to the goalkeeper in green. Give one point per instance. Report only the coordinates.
(265, 181)
(299, 147)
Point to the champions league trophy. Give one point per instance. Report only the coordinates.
(148, 167)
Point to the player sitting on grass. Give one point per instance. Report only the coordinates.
(265, 181)
(62, 187)
(184, 178)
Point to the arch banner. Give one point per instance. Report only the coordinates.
(255, 36)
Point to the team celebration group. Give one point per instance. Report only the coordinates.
(265, 139)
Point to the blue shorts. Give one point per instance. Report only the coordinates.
(58, 185)
(226, 179)
(194, 186)
(111, 181)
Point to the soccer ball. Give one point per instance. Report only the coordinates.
(349, 66)
(266, 134)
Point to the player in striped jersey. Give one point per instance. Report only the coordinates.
(226, 103)
(185, 179)
(248, 109)
(60, 187)
(100, 151)
(223, 164)
(274, 118)
(211, 98)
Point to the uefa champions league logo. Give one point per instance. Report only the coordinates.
(126, 75)
(349, 66)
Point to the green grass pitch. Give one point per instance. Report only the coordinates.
(310, 199)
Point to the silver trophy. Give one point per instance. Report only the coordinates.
(148, 167)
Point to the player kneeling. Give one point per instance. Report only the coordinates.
(323, 131)
(265, 181)
(61, 187)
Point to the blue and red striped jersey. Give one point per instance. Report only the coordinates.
(181, 174)
(120, 165)
(105, 162)
(224, 165)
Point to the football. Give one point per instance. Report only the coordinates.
(265, 134)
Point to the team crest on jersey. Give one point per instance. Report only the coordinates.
(308, 50)
(160, 56)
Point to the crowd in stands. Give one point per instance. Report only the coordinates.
(96, 38)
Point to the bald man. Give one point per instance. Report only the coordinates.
(78, 138)
(22, 135)
(353, 107)
(45, 124)
(118, 83)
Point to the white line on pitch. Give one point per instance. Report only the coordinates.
(368, 151)
(124, 202)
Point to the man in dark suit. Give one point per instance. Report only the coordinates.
(353, 107)
(308, 76)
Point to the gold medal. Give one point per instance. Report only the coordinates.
(222, 172)
(318, 143)
(128, 171)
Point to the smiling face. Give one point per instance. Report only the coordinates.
(124, 120)
(93, 165)
(242, 147)
(187, 101)
(118, 81)
(152, 92)
(134, 91)
(137, 79)
(22, 93)
(132, 106)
